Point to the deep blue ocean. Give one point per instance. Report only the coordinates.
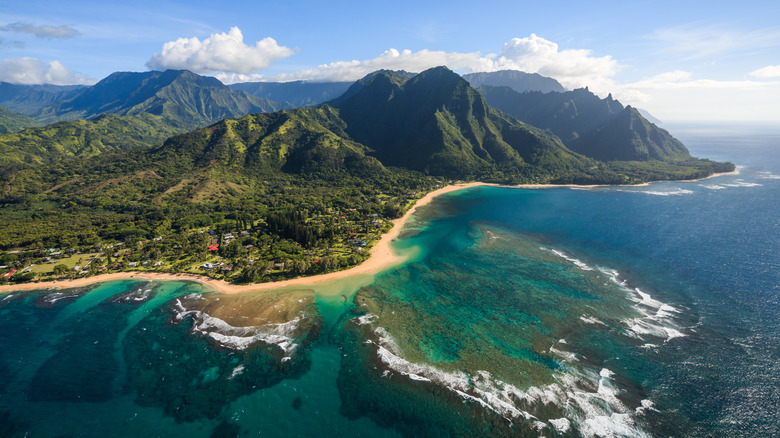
(624, 311)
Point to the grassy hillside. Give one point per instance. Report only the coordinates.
(11, 121)
(83, 138)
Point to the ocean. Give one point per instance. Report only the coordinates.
(621, 311)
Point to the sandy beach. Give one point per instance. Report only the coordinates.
(382, 257)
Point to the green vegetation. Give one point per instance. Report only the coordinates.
(183, 99)
(438, 124)
(11, 121)
(29, 99)
(276, 195)
(597, 128)
(84, 138)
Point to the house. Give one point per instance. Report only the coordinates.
(132, 264)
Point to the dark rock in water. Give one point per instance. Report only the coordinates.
(226, 429)
(297, 403)
(11, 427)
(61, 297)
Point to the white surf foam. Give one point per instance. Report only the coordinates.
(368, 318)
(674, 191)
(767, 175)
(742, 183)
(236, 371)
(240, 338)
(592, 320)
(561, 425)
(589, 400)
(657, 318)
(646, 405)
(579, 263)
(566, 356)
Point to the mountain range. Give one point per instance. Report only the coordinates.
(184, 99)
(145, 108)
(434, 122)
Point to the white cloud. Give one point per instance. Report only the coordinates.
(677, 95)
(771, 71)
(572, 67)
(41, 31)
(391, 59)
(221, 52)
(694, 42)
(27, 71)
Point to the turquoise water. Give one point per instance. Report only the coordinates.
(642, 311)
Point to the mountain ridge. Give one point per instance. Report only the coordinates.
(185, 99)
(595, 127)
(517, 80)
(12, 121)
(436, 122)
(296, 93)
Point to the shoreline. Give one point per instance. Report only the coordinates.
(382, 257)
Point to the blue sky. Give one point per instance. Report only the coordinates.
(681, 60)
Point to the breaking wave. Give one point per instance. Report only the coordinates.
(589, 401)
(240, 338)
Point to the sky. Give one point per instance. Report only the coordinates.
(680, 60)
